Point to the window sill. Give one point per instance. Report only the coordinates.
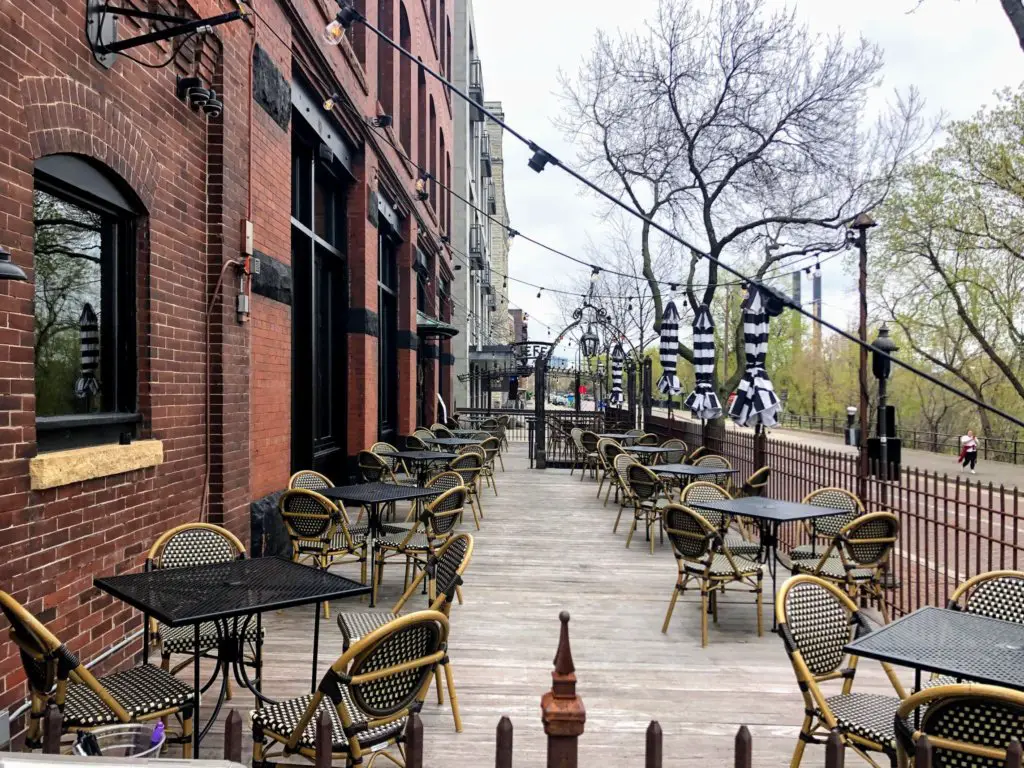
(57, 468)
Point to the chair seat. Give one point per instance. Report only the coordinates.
(283, 717)
(833, 568)
(141, 690)
(740, 546)
(805, 551)
(356, 626)
(869, 715)
(182, 639)
(418, 542)
(720, 566)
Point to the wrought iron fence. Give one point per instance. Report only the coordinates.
(519, 424)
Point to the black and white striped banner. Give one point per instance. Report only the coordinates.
(669, 384)
(89, 343)
(617, 358)
(756, 401)
(703, 401)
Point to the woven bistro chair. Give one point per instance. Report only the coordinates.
(435, 525)
(823, 529)
(56, 677)
(635, 433)
(576, 436)
(622, 463)
(499, 435)
(647, 494)
(702, 490)
(608, 450)
(440, 430)
(422, 434)
(468, 465)
(588, 443)
(189, 545)
(816, 621)
(676, 455)
(714, 461)
(396, 465)
(702, 556)
(604, 467)
(376, 469)
(648, 438)
(413, 443)
(968, 725)
(368, 693)
(310, 480)
(756, 484)
(490, 446)
(697, 453)
(857, 557)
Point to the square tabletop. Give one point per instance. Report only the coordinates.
(377, 493)
(451, 442)
(689, 470)
(183, 596)
(651, 449)
(467, 432)
(765, 509)
(617, 436)
(949, 642)
(420, 455)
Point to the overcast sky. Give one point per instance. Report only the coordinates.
(957, 52)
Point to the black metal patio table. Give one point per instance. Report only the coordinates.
(422, 459)
(451, 442)
(950, 642)
(770, 514)
(690, 471)
(619, 436)
(229, 595)
(371, 496)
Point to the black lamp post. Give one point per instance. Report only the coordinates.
(881, 367)
(857, 235)
(589, 342)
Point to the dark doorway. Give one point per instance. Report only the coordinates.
(319, 305)
(387, 348)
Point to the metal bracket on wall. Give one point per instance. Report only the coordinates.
(101, 28)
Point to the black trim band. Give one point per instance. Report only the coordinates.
(447, 358)
(363, 321)
(407, 340)
(271, 278)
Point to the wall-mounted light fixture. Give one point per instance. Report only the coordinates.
(8, 269)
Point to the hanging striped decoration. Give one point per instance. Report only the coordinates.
(89, 344)
(756, 401)
(703, 401)
(618, 356)
(669, 384)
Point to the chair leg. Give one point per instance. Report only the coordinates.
(760, 601)
(324, 565)
(632, 528)
(801, 742)
(501, 462)
(650, 524)
(472, 506)
(439, 685)
(600, 485)
(186, 736)
(671, 607)
(704, 614)
(452, 697)
(458, 593)
(615, 528)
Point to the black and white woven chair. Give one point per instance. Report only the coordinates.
(856, 558)
(444, 574)
(368, 693)
(647, 495)
(816, 621)
(440, 430)
(310, 480)
(57, 678)
(756, 484)
(714, 461)
(468, 465)
(396, 465)
(824, 529)
(621, 463)
(968, 725)
(200, 544)
(702, 490)
(703, 557)
(608, 450)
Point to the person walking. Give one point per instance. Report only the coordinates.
(969, 450)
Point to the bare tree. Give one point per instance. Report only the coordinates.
(740, 128)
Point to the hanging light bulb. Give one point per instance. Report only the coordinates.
(331, 101)
(817, 269)
(594, 274)
(538, 292)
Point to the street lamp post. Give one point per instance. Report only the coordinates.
(858, 236)
(881, 366)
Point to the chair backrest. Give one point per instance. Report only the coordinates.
(816, 621)
(310, 480)
(440, 430)
(413, 443)
(715, 461)
(422, 433)
(376, 450)
(488, 424)
(589, 441)
(442, 514)
(602, 457)
(490, 446)
(373, 468)
(695, 454)
(194, 544)
(678, 452)
(702, 490)
(504, 420)
(467, 465)
(444, 481)
(757, 483)
(643, 483)
(446, 568)
(609, 449)
(388, 674)
(834, 498)
(693, 538)
(968, 725)
(622, 463)
(311, 520)
(647, 439)
(996, 594)
(577, 438)
(634, 432)
(867, 541)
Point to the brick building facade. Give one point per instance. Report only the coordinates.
(128, 209)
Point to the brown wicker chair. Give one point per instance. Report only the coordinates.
(622, 462)
(468, 465)
(647, 494)
(588, 446)
(56, 677)
(702, 556)
(648, 438)
(490, 446)
(369, 693)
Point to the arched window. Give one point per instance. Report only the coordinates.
(86, 236)
(357, 34)
(422, 157)
(433, 154)
(386, 57)
(441, 38)
(448, 45)
(447, 193)
(443, 202)
(405, 82)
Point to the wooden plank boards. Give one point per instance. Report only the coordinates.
(547, 545)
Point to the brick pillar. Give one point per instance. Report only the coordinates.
(407, 339)
(562, 711)
(363, 319)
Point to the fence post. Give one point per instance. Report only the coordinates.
(744, 748)
(760, 448)
(653, 759)
(562, 711)
(835, 751)
(233, 737)
(503, 756)
(414, 742)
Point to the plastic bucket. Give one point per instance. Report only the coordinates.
(128, 740)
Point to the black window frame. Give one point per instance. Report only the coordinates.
(388, 289)
(89, 185)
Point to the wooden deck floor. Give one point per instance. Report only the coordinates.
(547, 545)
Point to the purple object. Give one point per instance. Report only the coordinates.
(158, 734)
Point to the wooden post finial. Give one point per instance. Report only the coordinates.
(562, 711)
